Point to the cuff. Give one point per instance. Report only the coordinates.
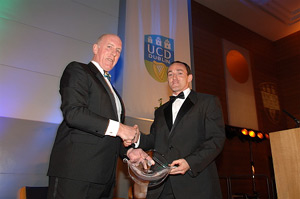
(112, 129)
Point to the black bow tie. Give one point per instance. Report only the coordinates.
(180, 95)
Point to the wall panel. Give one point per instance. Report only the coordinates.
(209, 29)
(38, 39)
(288, 61)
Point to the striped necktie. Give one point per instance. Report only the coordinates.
(107, 75)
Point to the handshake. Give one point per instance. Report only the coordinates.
(129, 134)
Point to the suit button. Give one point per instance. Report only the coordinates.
(170, 147)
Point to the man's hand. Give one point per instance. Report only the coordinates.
(180, 166)
(137, 156)
(128, 134)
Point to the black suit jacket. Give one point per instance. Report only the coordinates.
(81, 151)
(198, 135)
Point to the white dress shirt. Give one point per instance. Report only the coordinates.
(178, 103)
(175, 108)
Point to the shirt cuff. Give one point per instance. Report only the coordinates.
(136, 145)
(113, 128)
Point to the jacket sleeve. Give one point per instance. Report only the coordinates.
(75, 91)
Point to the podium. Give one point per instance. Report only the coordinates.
(285, 148)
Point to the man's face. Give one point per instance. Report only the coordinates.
(178, 78)
(107, 51)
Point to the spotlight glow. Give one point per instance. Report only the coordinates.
(267, 136)
(252, 134)
(260, 135)
(244, 131)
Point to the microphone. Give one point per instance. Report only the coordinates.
(291, 116)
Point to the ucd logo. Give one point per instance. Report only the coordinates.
(158, 55)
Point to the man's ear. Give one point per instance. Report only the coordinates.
(190, 78)
(95, 48)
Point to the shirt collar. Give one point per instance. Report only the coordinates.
(99, 67)
(186, 92)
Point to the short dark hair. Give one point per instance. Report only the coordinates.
(188, 69)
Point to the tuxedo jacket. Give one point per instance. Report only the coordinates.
(81, 151)
(198, 136)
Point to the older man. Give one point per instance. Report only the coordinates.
(89, 140)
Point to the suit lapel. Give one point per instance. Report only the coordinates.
(183, 110)
(107, 88)
(186, 106)
(122, 104)
(168, 115)
(99, 77)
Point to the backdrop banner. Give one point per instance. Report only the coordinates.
(239, 87)
(156, 33)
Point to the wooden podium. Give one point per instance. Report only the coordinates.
(285, 147)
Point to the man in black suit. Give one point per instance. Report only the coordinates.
(89, 139)
(189, 132)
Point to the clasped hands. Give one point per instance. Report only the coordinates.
(129, 134)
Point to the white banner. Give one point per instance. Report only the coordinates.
(156, 33)
(239, 87)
